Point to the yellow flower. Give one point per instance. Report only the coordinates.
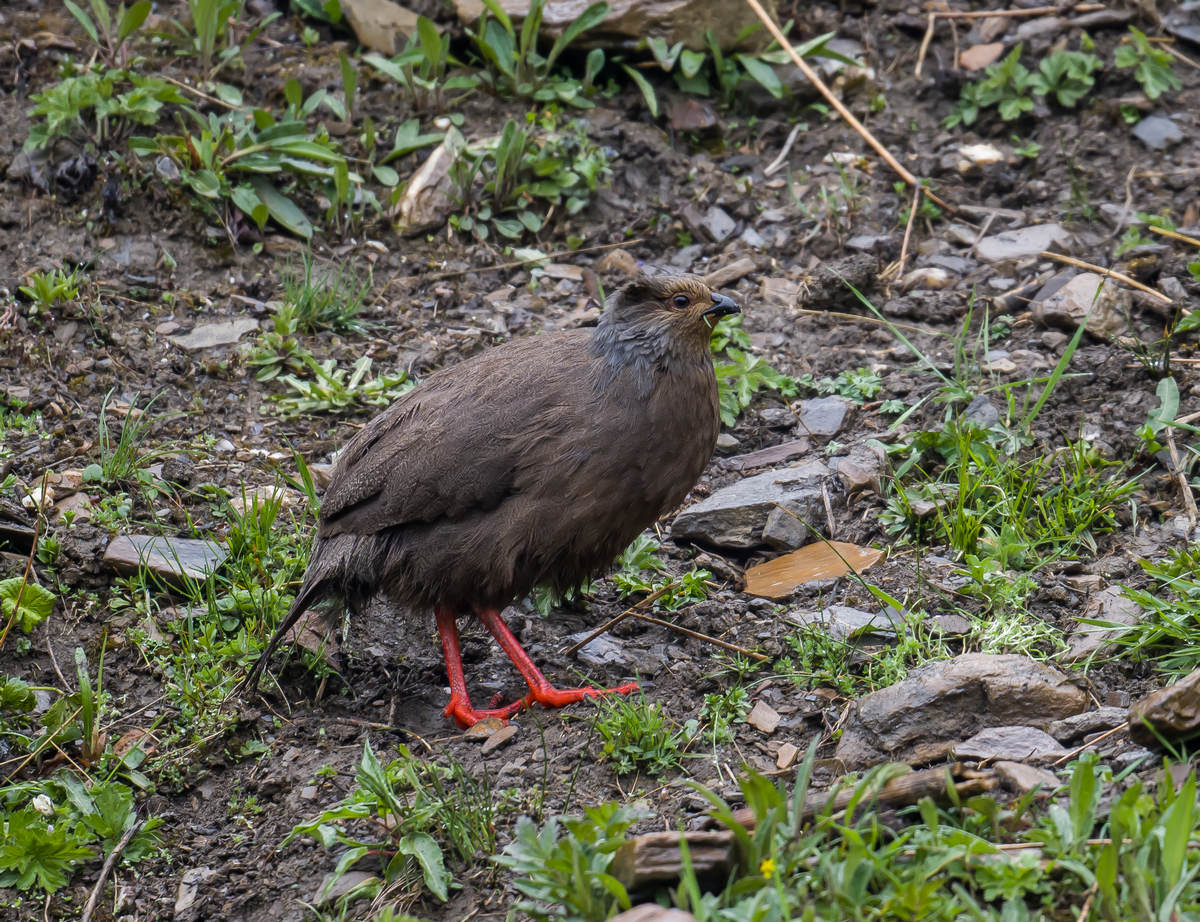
(767, 868)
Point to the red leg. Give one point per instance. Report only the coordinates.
(460, 703)
(540, 689)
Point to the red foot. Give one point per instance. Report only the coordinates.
(540, 690)
(466, 716)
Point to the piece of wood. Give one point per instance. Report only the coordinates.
(654, 858)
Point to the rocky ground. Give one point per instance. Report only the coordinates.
(889, 327)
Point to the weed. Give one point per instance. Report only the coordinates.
(211, 36)
(332, 389)
(721, 710)
(412, 802)
(514, 65)
(1133, 236)
(564, 871)
(125, 460)
(88, 105)
(742, 375)
(421, 68)
(513, 184)
(1007, 85)
(323, 300)
(277, 349)
(108, 30)
(24, 604)
(1067, 75)
(1169, 631)
(46, 289)
(639, 736)
(229, 160)
(1006, 625)
(1152, 67)
(859, 385)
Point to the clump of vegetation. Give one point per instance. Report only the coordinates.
(324, 300)
(421, 68)
(639, 736)
(1152, 67)
(405, 819)
(46, 289)
(511, 185)
(331, 389)
(740, 375)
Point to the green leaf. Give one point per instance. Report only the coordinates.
(36, 603)
(643, 84)
(763, 73)
(133, 19)
(592, 16)
(285, 212)
(425, 849)
(690, 62)
(84, 20)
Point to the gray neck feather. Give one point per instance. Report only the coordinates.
(641, 349)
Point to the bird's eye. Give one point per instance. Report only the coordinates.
(681, 301)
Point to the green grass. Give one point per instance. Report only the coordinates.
(638, 735)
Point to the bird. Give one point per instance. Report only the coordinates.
(534, 462)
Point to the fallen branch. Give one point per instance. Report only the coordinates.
(837, 104)
(1110, 273)
(111, 860)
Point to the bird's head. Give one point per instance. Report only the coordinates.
(677, 310)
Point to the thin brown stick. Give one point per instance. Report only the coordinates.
(837, 104)
(614, 621)
(1170, 49)
(1119, 276)
(111, 860)
(929, 29)
(435, 276)
(1189, 501)
(1087, 904)
(1031, 11)
(912, 215)
(1173, 234)
(1089, 744)
(688, 632)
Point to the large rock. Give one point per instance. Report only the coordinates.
(173, 560)
(770, 508)
(630, 21)
(1172, 713)
(922, 718)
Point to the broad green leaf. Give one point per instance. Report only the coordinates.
(133, 19)
(285, 212)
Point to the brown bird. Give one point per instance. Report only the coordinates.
(535, 462)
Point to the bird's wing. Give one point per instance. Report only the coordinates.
(452, 446)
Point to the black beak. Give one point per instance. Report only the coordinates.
(722, 305)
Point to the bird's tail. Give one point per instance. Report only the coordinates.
(311, 592)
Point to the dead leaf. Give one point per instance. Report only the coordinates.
(978, 57)
(763, 717)
(776, 578)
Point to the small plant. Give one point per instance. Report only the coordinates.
(1169, 632)
(421, 68)
(228, 162)
(513, 184)
(332, 389)
(1067, 75)
(721, 710)
(211, 33)
(277, 350)
(24, 604)
(1007, 85)
(324, 300)
(125, 459)
(859, 385)
(1006, 625)
(108, 30)
(1152, 67)
(46, 289)
(515, 67)
(95, 106)
(742, 376)
(403, 817)
(1133, 236)
(639, 736)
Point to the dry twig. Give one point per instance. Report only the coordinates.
(1110, 273)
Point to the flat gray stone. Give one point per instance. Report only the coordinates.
(1074, 728)
(207, 335)
(737, 515)
(1022, 243)
(171, 559)
(824, 416)
(1022, 778)
(1157, 132)
(718, 224)
(1101, 301)
(1015, 744)
(923, 717)
(1109, 605)
(605, 650)
(843, 623)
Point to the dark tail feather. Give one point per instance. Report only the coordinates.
(309, 594)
